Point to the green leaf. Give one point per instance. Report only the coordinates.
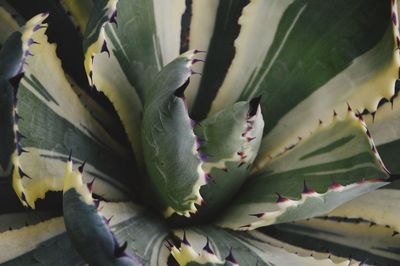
(49, 244)
(7, 25)
(45, 137)
(220, 52)
(385, 127)
(122, 58)
(358, 239)
(169, 143)
(380, 206)
(307, 63)
(80, 11)
(229, 142)
(88, 231)
(335, 164)
(203, 244)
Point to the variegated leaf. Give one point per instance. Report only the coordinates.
(43, 138)
(79, 10)
(380, 207)
(384, 125)
(220, 49)
(228, 144)
(88, 231)
(307, 63)
(206, 245)
(335, 164)
(357, 239)
(50, 245)
(169, 143)
(126, 43)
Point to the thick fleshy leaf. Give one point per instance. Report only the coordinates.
(229, 143)
(7, 25)
(169, 143)
(380, 207)
(307, 63)
(358, 239)
(335, 164)
(79, 10)
(384, 125)
(49, 244)
(61, 30)
(44, 138)
(126, 43)
(206, 245)
(89, 232)
(220, 52)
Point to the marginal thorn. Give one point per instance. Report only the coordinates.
(373, 116)
(90, 185)
(280, 198)
(349, 107)
(258, 215)
(254, 104)
(334, 113)
(207, 247)
(70, 156)
(120, 250)
(395, 233)
(195, 60)
(104, 48)
(231, 258)
(22, 174)
(80, 168)
(306, 189)
(199, 51)
(184, 239)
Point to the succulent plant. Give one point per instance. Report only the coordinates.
(199, 132)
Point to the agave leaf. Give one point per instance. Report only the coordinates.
(207, 245)
(169, 143)
(229, 143)
(7, 25)
(335, 164)
(62, 30)
(47, 245)
(307, 63)
(40, 149)
(380, 207)
(79, 10)
(384, 125)
(89, 232)
(122, 66)
(50, 245)
(358, 239)
(220, 51)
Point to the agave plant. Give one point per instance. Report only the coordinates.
(199, 132)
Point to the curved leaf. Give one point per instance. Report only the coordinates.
(49, 244)
(170, 146)
(335, 164)
(80, 11)
(380, 206)
(122, 57)
(307, 63)
(374, 245)
(229, 143)
(89, 232)
(250, 248)
(384, 125)
(44, 138)
(7, 25)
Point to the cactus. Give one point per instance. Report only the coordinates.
(203, 132)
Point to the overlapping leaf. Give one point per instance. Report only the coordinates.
(335, 164)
